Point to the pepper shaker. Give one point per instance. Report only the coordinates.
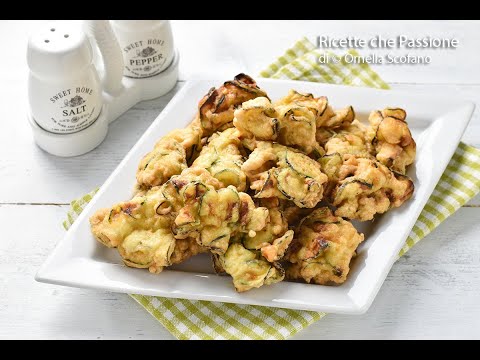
(147, 46)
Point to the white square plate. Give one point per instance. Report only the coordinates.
(437, 125)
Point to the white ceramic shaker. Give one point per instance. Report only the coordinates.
(64, 90)
(147, 46)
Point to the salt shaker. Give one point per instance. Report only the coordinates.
(64, 89)
(147, 46)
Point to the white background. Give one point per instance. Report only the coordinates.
(432, 292)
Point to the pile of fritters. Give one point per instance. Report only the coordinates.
(268, 188)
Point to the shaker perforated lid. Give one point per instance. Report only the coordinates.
(58, 49)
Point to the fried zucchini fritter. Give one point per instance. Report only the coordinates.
(330, 164)
(248, 268)
(366, 187)
(278, 171)
(276, 226)
(349, 139)
(277, 249)
(390, 139)
(341, 122)
(345, 142)
(253, 261)
(297, 120)
(294, 214)
(170, 156)
(289, 124)
(214, 216)
(223, 158)
(298, 128)
(191, 213)
(258, 119)
(356, 128)
(319, 106)
(275, 238)
(142, 232)
(322, 249)
(216, 108)
(342, 117)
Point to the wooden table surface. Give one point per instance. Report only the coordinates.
(432, 292)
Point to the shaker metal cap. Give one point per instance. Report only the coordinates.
(58, 49)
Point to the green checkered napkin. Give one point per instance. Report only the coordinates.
(189, 319)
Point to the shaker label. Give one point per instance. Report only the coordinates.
(74, 111)
(144, 58)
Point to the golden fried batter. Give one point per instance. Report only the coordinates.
(288, 123)
(297, 120)
(141, 232)
(276, 250)
(214, 216)
(275, 238)
(276, 227)
(278, 171)
(169, 156)
(342, 117)
(298, 128)
(319, 106)
(190, 213)
(323, 135)
(191, 188)
(339, 143)
(185, 249)
(294, 214)
(217, 107)
(257, 118)
(346, 142)
(355, 128)
(322, 249)
(300, 115)
(223, 158)
(191, 139)
(252, 260)
(390, 139)
(248, 268)
(330, 164)
(366, 187)
(343, 123)
(189, 206)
